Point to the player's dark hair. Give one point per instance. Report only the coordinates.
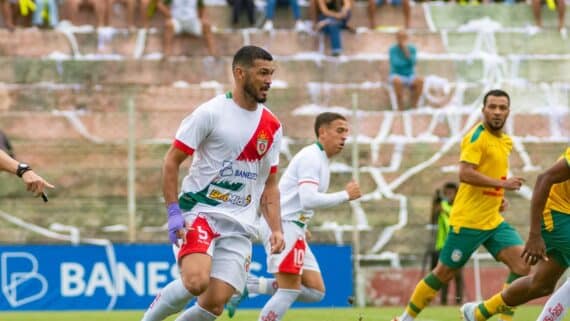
(248, 54)
(324, 119)
(450, 185)
(496, 93)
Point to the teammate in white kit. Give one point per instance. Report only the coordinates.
(234, 141)
(303, 188)
(557, 305)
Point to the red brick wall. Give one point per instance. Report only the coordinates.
(388, 286)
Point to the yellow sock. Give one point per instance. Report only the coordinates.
(508, 315)
(424, 292)
(490, 307)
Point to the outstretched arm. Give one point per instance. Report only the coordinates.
(311, 198)
(469, 174)
(34, 182)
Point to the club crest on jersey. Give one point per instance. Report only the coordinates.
(262, 143)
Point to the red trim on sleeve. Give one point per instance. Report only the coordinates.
(273, 170)
(309, 182)
(183, 147)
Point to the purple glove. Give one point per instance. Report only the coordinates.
(175, 222)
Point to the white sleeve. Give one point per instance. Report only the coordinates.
(309, 174)
(275, 150)
(193, 130)
(311, 198)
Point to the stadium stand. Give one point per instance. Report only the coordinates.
(65, 94)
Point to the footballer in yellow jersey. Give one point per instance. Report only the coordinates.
(477, 206)
(548, 244)
(475, 218)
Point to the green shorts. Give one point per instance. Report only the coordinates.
(558, 240)
(458, 247)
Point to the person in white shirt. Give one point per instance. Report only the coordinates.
(234, 142)
(186, 16)
(557, 305)
(303, 188)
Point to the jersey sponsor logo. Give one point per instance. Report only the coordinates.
(227, 171)
(498, 192)
(245, 174)
(303, 218)
(235, 199)
(21, 281)
(262, 143)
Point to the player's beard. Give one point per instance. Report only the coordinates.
(249, 89)
(492, 125)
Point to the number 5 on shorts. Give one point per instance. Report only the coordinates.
(198, 238)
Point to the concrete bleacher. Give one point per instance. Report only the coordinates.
(47, 89)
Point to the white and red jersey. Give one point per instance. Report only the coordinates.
(234, 150)
(308, 166)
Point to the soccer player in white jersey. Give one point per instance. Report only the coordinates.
(303, 188)
(234, 141)
(557, 305)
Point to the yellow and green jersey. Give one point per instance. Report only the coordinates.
(559, 198)
(477, 207)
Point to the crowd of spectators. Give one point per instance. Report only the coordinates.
(329, 17)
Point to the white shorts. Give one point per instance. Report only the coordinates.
(191, 26)
(297, 255)
(230, 249)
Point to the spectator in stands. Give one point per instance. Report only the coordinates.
(186, 16)
(46, 13)
(34, 183)
(559, 5)
(441, 207)
(99, 6)
(402, 70)
(270, 13)
(130, 8)
(14, 12)
(5, 144)
(372, 11)
(238, 6)
(333, 16)
(147, 10)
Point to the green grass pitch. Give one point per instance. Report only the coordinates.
(525, 313)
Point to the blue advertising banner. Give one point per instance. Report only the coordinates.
(91, 277)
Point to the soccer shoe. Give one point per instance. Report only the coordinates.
(468, 311)
(234, 302)
(268, 26)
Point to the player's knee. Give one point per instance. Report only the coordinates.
(315, 295)
(214, 308)
(521, 268)
(195, 284)
(540, 289)
(444, 273)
